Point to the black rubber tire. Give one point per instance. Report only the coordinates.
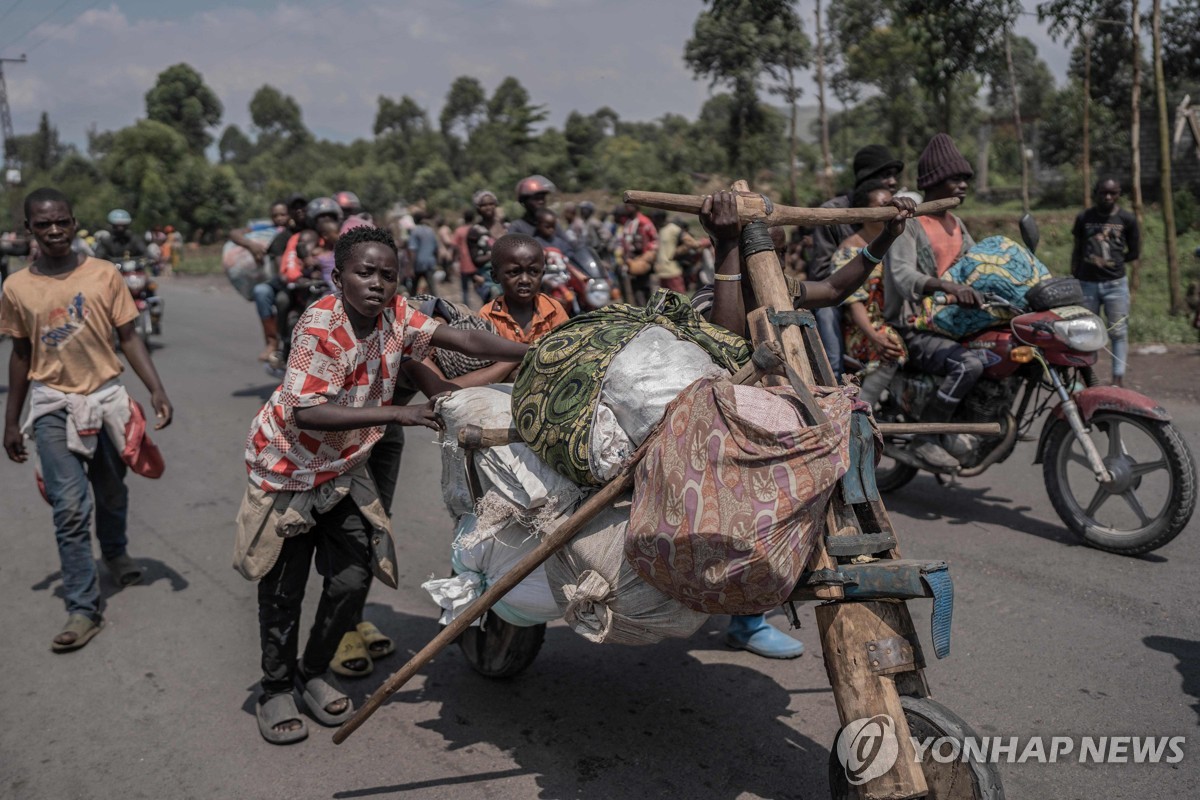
(1181, 504)
(895, 477)
(957, 780)
(1054, 293)
(498, 649)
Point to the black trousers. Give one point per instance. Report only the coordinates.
(340, 542)
(384, 463)
(938, 355)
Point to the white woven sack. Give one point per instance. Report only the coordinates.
(481, 560)
(513, 471)
(600, 595)
(642, 380)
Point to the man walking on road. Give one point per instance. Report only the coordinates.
(1106, 239)
(61, 313)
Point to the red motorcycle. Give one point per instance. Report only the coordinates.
(1117, 471)
(580, 283)
(138, 276)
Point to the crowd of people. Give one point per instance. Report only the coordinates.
(425, 307)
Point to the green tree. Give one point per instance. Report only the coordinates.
(41, 150)
(181, 100)
(234, 147)
(465, 108)
(873, 49)
(585, 134)
(1181, 45)
(145, 159)
(276, 116)
(405, 118)
(953, 38)
(512, 115)
(737, 43)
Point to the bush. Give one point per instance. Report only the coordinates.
(1187, 211)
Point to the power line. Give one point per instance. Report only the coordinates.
(62, 27)
(28, 30)
(11, 9)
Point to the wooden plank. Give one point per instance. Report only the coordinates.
(752, 206)
(846, 630)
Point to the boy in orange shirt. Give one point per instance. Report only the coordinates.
(522, 314)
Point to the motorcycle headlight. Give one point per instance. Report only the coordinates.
(1085, 333)
(598, 293)
(135, 282)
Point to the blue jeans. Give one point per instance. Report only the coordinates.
(67, 476)
(1114, 296)
(264, 300)
(829, 326)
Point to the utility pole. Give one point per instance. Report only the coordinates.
(825, 153)
(1164, 165)
(1135, 136)
(1016, 109)
(12, 165)
(1086, 170)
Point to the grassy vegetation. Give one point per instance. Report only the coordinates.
(1149, 318)
(205, 260)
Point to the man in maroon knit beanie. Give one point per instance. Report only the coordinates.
(913, 269)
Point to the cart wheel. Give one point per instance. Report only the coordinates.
(956, 780)
(498, 649)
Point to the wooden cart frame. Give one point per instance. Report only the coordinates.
(872, 654)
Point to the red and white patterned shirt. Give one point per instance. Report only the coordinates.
(329, 364)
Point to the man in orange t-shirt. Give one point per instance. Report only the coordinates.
(522, 314)
(61, 313)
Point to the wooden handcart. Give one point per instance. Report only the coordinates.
(856, 574)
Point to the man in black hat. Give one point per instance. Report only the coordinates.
(873, 162)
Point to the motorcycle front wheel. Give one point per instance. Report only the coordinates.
(1152, 493)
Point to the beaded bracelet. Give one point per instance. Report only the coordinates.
(720, 277)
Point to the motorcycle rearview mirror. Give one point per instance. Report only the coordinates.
(1029, 232)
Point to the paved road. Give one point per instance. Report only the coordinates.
(1049, 638)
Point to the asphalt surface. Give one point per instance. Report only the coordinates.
(1050, 638)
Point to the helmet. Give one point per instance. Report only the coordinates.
(119, 216)
(321, 207)
(349, 202)
(534, 184)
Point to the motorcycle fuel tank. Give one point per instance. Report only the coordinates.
(996, 348)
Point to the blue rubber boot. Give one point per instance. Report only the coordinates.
(754, 633)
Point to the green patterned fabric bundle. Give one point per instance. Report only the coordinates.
(558, 388)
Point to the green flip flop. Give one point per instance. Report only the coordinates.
(81, 627)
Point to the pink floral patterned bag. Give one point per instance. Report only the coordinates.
(731, 494)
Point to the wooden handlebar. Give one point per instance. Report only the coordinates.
(753, 206)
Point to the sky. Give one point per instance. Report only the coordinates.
(91, 63)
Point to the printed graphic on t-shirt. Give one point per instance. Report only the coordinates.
(1104, 245)
(65, 323)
